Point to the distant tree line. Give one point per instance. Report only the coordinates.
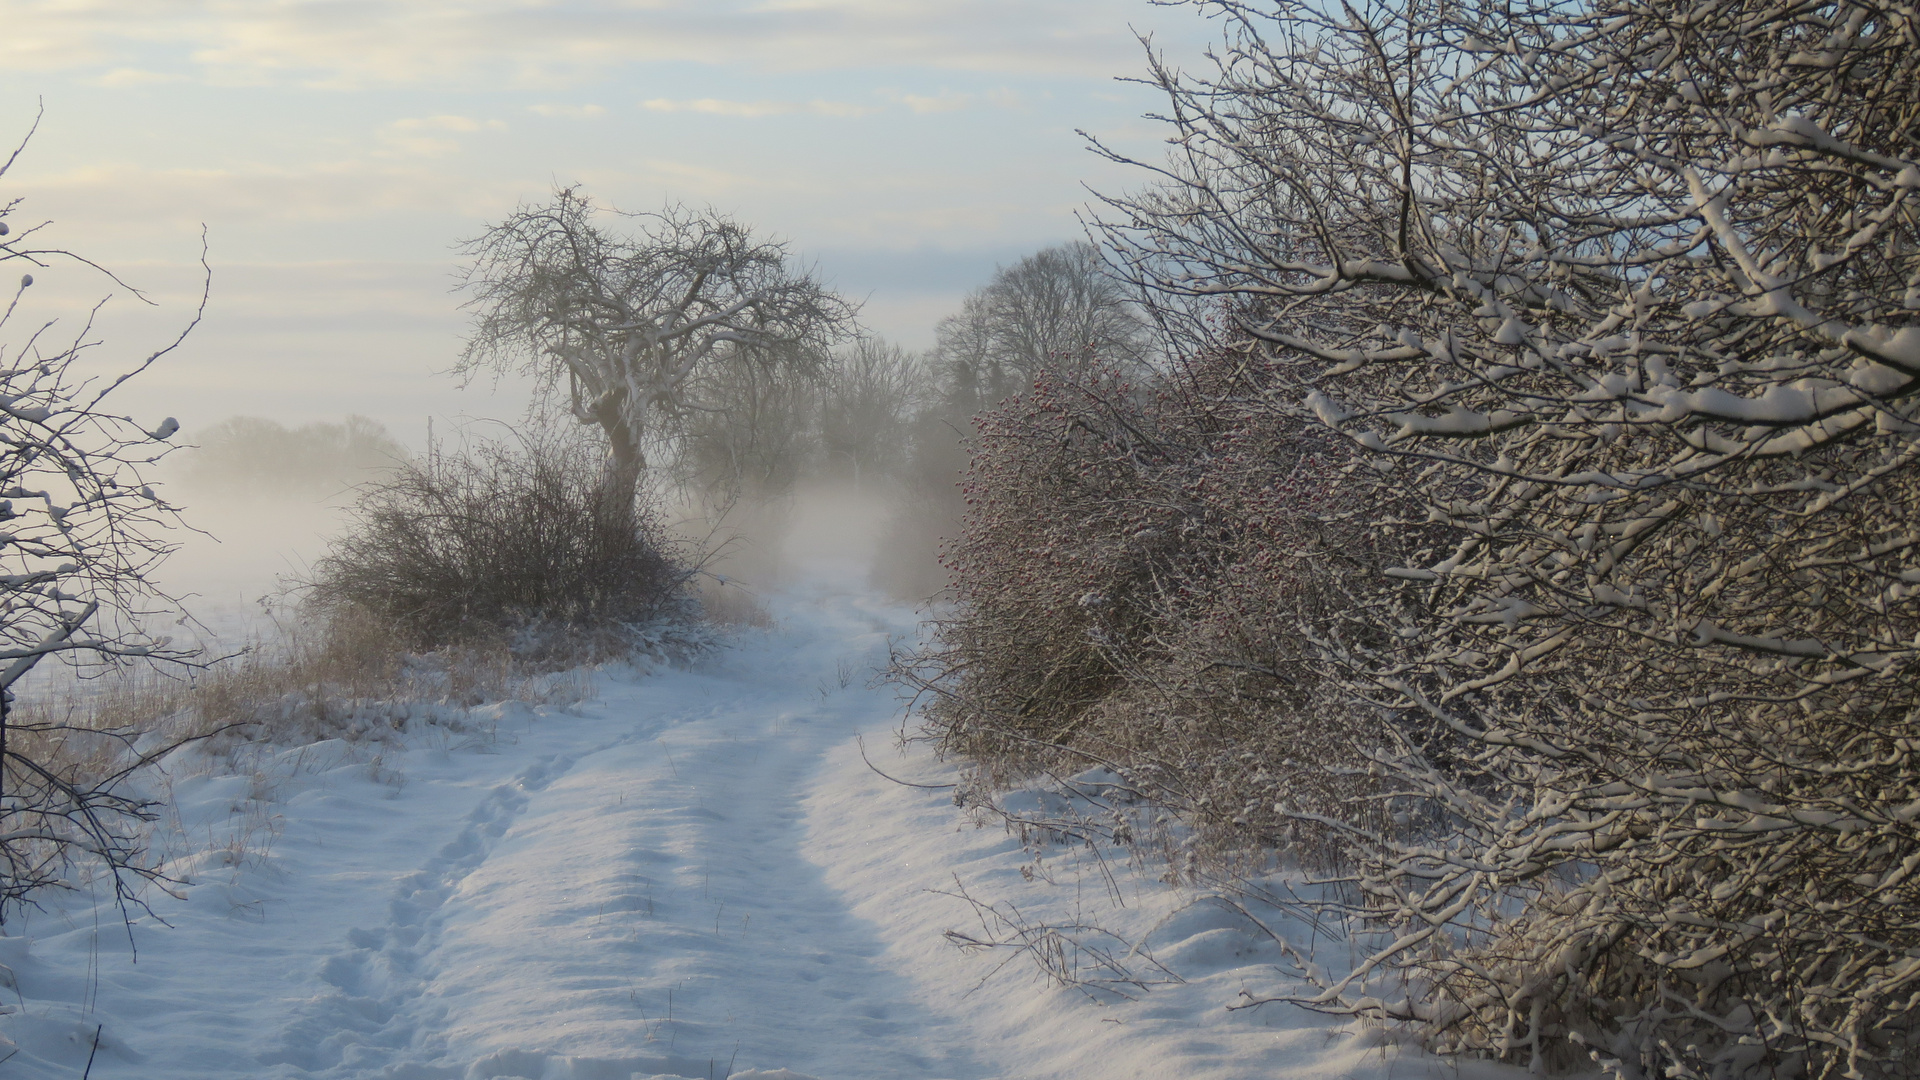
(255, 457)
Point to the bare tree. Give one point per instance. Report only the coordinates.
(80, 537)
(1055, 310)
(633, 323)
(866, 409)
(1631, 294)
(748, 433)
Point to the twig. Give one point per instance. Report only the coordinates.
(903, 783)
(96, 1049)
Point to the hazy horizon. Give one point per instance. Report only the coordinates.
(337, 153)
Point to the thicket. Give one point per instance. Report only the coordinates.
(1592, 643)
(758, 433)
(519, 543)
(1134, 579)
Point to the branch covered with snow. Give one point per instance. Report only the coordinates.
(1629, 296)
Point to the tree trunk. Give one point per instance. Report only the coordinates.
(625, 462)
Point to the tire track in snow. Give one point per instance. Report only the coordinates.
(657, 899)
(641, 906)
(370, 1011)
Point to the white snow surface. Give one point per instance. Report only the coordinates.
(693, 874)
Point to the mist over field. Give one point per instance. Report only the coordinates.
(261, 501)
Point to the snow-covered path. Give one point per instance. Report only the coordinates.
(637, 897)
(693, 875)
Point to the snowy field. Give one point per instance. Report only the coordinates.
(691, 874)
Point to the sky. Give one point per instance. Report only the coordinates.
(335, 152)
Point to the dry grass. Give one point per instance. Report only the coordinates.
(346, 679)
(98, 814)
(349, 678)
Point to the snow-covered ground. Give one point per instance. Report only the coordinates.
(692, 874)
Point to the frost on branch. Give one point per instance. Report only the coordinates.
(79, 532)
(1634, 292)
(1131, 580)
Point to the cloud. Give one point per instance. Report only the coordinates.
(576, 112)
(670, 175)
(444, 123)
(948, 101)
(943, 103)
(127, 76)
(99, 204)
(839, 108)
(417, 135)
(438, 123)
(353, 43)
(718, 107)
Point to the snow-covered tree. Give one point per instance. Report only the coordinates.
(633, 324)
(1631, 293)
(79, 534)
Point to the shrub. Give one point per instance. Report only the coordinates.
(1137, 582)
(519, 541)
(1629, 295)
